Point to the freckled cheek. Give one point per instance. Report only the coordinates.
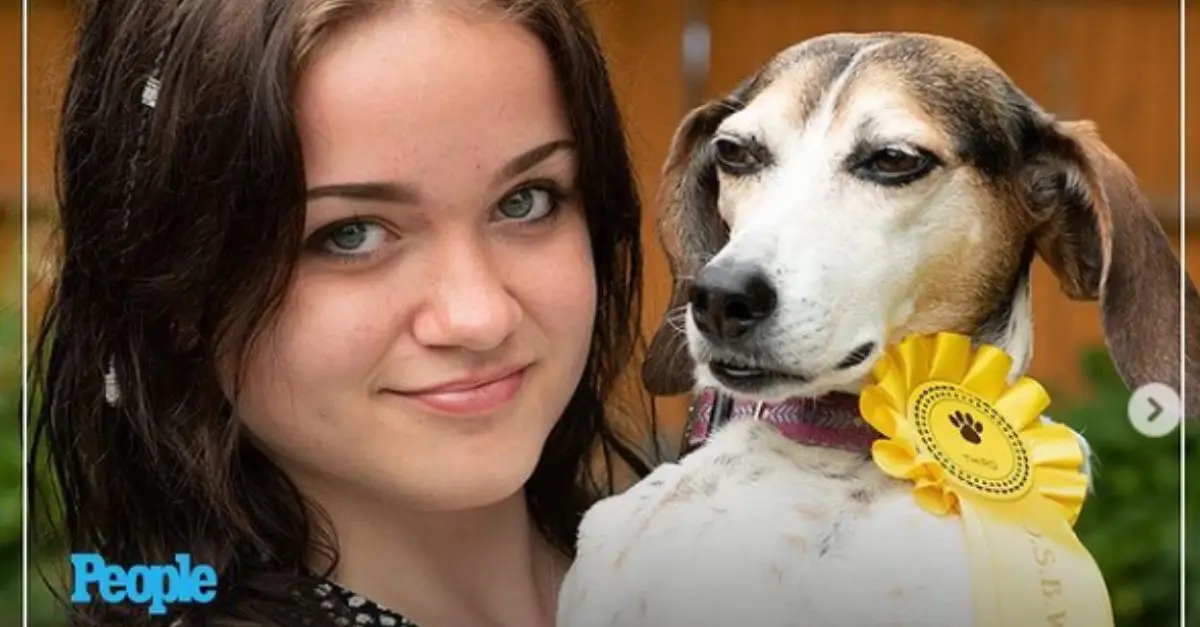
(331, 332)
(557, 285)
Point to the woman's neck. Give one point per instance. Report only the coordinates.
(488, 566)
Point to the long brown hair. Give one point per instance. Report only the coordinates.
(181, 222)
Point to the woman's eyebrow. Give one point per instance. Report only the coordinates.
(383, 191)
(532, 157)
(406, 194)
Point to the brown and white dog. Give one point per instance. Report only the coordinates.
(859, 188)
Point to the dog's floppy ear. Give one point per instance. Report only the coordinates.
(691, 232)
(1097, 232)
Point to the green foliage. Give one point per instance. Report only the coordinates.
(10, 467)
(1131, 523)
(43, 610)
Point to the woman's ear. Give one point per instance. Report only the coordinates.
(691, 232)
(1097, 232)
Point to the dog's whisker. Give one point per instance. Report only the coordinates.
(677, 319)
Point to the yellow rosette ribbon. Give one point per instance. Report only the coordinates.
(975, 447)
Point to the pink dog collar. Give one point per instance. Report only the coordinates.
(830, 421)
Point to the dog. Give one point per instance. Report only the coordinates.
(859, 188)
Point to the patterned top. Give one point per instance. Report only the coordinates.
(346, 609)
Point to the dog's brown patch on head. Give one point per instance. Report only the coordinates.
(882, 90)
(967, 98)
(806, 72)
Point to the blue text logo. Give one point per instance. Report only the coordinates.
(143, 584)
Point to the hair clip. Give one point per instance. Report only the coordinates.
(112, 388)
(150, 92)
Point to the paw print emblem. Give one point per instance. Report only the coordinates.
(968, 427)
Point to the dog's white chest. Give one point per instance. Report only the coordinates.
(754, 530)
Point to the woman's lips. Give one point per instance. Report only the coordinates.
(471, 399)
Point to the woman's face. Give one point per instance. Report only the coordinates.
(443, 308)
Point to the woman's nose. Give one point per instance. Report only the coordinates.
(471, 303)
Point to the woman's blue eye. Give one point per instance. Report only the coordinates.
(528, 204)
(354, 239)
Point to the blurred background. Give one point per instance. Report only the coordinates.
(1112, 61)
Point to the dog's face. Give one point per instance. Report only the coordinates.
(864, 187)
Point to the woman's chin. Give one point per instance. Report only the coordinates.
(484, 494)
(469, 486)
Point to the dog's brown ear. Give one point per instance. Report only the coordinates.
(1097, 232)
(691, 232)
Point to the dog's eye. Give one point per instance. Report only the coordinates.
(735, 157)
(896, 166)
(892, 161)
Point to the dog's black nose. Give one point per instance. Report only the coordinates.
(728, 301)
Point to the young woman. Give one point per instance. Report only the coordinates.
(345, 288)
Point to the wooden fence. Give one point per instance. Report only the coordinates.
(1116, 63)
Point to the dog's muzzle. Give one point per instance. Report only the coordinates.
(729, 302)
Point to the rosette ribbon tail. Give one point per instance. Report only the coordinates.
(974, 446)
